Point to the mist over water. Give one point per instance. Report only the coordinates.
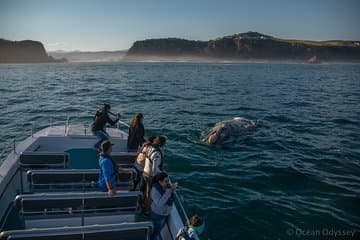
(299, 170)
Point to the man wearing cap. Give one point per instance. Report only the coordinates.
(99, 121)
(108, 169)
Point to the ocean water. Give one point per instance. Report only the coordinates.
(296, 176)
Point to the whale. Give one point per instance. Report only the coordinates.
(225, 130)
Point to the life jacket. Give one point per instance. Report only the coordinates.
(149, 161)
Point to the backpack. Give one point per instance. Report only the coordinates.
(144, 152)
(147, 158)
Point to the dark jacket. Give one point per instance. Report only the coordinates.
(136, 136)
(100, 119)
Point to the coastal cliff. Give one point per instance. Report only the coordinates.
(246, 46)
(24, 52)
(167, 47)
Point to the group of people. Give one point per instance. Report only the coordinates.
(151, 179)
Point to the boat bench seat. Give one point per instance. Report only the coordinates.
(81, 179)
(124, 159)
(122, 231)
(75, 202)
(35, 160)
(43, 160)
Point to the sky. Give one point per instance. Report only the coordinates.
(88, 25)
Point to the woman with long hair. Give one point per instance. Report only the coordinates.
(162, 195)
(136, 133)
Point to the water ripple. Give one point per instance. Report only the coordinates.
(299, 169)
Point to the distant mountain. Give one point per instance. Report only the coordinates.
(78, 56)
(246, 46)
(167, 47)
(26, 51)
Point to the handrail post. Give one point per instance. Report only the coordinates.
(67, 126)
(14, 146)
(181, 206)
(123, 123)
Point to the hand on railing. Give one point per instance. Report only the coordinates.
(179, 202)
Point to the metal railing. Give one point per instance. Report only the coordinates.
(179, 202)
(51, 124)
(6, 148)
(67, 126)
(181, 210)
(87, 126)
(12, 143)
(123, 123)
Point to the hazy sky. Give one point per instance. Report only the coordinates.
(114, 25)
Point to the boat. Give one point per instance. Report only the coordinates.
(48, 190)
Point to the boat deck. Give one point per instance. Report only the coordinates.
(50, 190)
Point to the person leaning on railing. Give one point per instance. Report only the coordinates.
(100, 119)
(162, 195)
(108, 169)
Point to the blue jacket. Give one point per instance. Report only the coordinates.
(107, 172)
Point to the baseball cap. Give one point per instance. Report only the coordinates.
(105, 145)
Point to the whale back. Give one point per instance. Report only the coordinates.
(223, 131)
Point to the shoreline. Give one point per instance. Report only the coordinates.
(185, 61)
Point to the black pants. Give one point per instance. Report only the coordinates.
(138, 180)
